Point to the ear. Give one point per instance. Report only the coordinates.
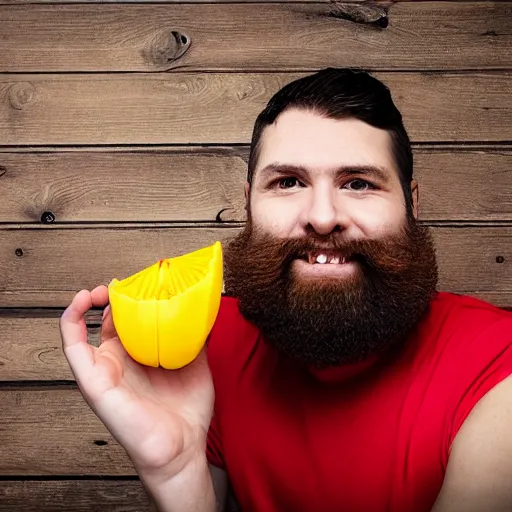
(247, 192)
(415, 198)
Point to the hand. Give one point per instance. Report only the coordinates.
(160, 417)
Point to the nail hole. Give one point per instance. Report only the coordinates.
(18, 252)
(500, 259)
(47, 217)
(184, 39)
(100, 443)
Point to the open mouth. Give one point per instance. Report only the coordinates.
(326, 257)
(324, 263)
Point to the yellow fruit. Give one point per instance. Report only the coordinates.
(164, 313)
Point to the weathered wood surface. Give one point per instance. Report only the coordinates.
(46, 267)
(31, 348)
(53, 432)
(55, 263)
(73, 496)
(221, 108)
(274, 36)
(473, 184)
(207, 185)
(133, 186)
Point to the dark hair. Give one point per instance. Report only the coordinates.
(338, 93)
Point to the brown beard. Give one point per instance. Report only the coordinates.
(332, 321)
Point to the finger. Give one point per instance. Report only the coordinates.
(74, 335)
(99, 296)
(72, 322)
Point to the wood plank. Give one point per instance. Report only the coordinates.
(38, 427)
(156, 186)
(54, 264)
(73, 496)
(300, 37)
(472, 184)
(180, 184)
(31, 349)
(208, 108)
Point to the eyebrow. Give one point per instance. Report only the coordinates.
(380, 173)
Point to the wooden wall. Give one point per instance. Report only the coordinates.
(123, 139)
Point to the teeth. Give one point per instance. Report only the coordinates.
(321, 258)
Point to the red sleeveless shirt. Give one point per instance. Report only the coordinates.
(365, 438)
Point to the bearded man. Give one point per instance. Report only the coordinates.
(336, 376)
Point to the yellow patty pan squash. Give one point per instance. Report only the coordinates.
(164, 313)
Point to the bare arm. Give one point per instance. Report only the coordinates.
(160, 417)
(479, 472)
(201, 487)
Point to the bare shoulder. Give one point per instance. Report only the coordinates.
(479, 471)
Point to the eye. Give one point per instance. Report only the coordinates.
(289, 182)
(359, 185)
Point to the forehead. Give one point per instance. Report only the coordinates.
(305, 138)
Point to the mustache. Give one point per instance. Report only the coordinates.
(392, 254)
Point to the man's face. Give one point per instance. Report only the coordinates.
(329, 266)
(319, 175)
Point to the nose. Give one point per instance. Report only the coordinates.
(323, 214)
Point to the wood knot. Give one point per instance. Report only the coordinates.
(47, 218)
(21, 94)
(368, 14)
(244, 93)
(166, 47)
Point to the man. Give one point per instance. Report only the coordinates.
(336, 377)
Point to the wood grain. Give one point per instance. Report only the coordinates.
(472, 184)
(268, 36)
(180, 184)
(53, 432)
(155, 186)
(221, 108)
(57, 263)
(73, 496)
(31, 349)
